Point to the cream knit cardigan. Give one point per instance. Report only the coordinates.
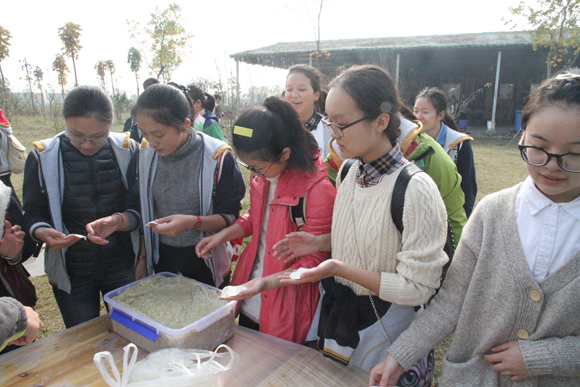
(489, 298)
(410, 267)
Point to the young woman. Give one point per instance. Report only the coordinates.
(377, 276)
(70, 180)
(284, 158)
(203, 118)
(511, 295)
(304, 91)
(431, 109)
(186, 182)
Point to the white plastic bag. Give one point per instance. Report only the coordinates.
(116, 380)
(176, 367)
(171, 367)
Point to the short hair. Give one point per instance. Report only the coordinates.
(149, 82)
(88, 101)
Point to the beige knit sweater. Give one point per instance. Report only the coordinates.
(410, 267)
(489, 298)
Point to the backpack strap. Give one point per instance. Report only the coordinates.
(346, 167)
(297, 213)
(398, 199)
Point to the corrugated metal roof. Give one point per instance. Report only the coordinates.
(486, 39)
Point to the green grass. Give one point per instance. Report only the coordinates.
(498, 167)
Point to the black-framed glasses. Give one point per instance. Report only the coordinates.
(538, 157)
(337, 129)
(253, 170)
(78, 140)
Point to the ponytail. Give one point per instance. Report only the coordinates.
(273, 127)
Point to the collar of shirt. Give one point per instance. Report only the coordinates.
(536, 201)
(371, 174)
(312, 123)
(442, 135)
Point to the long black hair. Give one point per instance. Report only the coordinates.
(275, 126)
(439, 101)
(164, 104)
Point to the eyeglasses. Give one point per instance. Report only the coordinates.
(77, 140)
(336, 129)
(253, 170)
(538, 157)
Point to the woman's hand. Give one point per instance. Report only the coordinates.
(255, 286)
(508, 361)
(102, 228)
(204, 246)
(324, 270)
(12, 242)
(386, 373)
(34, 324)
(296, 245)
(141, 269)
(55, 239)
(173, 225)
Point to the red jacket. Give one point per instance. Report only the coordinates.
(286, 312)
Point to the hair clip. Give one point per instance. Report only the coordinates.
(184, 89)
(241, 131)
(568, 76)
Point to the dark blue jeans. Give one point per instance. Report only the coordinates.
(84, 301)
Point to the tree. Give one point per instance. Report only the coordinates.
(134, 59)
(554, 25)
(38, 77)
(101, 66)
(59, 65)
(163, 41)
(27, 67)
(70, 34)
(4, 44)
(110, 65)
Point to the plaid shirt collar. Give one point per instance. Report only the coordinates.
(312, 123)
(371, 174)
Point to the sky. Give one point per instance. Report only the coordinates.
(221, 29)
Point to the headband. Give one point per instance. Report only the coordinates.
(241, 131)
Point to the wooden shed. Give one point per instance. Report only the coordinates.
(460, 64)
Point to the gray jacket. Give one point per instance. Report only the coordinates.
(489, 298)
(213, 152)
(50, 160)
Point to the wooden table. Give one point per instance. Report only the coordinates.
(66, 360)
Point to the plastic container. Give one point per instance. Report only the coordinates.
(518, 120)
(206, 333)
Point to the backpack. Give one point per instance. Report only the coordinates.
(16, 153)
(398, 203)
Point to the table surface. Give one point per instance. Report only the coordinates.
(66, 360)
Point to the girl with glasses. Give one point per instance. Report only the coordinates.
(431, 110)
(377, 276)
(511, 294)
(285, 159)
(185, 182)
(71, 180)
(305, 92)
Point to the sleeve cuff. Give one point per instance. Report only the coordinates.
(38, 226)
